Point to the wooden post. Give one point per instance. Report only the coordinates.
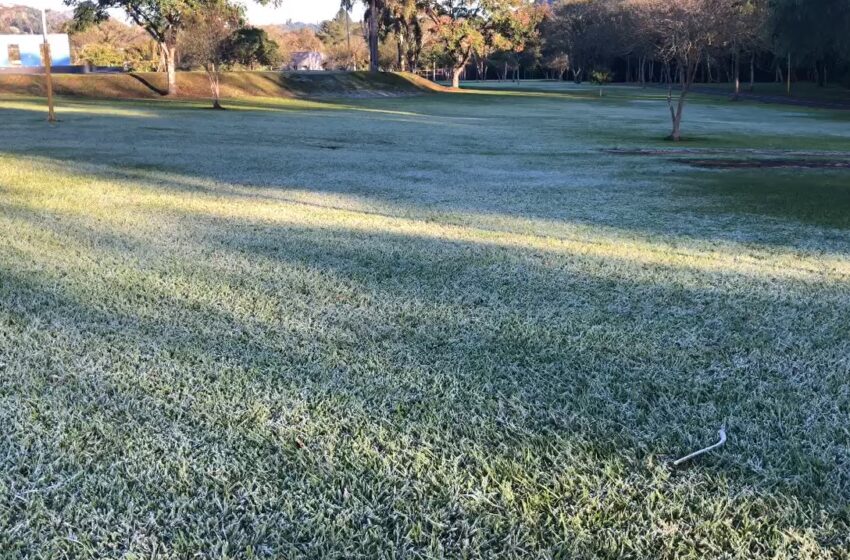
(47, 62)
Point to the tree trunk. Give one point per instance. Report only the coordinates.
(788, 77)
(169, 54)
(215, 80)
(820, 73)
(752, 72)
(400, 44)
(737, 75)
(373, 36)
(686, 78)
(456, 72)
(676, 134)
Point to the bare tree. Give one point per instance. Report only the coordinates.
(205, 40)
(684, 32)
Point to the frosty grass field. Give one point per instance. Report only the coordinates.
(466, 325)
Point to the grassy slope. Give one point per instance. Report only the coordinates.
(234, 84)
(440, 326)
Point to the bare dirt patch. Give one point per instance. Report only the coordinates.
(754, 159)
(723, 163)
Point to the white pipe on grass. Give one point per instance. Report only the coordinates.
(721, 433)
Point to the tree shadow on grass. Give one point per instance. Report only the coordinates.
(148, 84)
(817, 198)
(383, 380)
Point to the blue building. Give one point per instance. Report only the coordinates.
(24, 51)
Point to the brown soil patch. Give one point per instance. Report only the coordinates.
(718, 163)
(755, 159)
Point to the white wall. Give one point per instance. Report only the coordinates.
(30, 46)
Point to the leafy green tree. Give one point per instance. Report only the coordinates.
(206, 39)
(403, 20)
(101, 54)
(162, 19)
(251, 46)
(811, 32)
(584, 32)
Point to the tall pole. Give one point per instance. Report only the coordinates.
(352, 62)
(47, 62)
(373, 36)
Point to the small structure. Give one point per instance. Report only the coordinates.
(24, 51)
(307, 60)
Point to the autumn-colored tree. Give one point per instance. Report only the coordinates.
(460, 28)
(516, 30)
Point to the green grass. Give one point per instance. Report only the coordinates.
(444, 326)
(799, 90)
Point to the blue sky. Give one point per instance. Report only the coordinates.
(310, 11)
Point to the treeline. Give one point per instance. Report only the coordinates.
(675, 42)
(728, 40)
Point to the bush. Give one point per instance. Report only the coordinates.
(600, 77)
(100, 54)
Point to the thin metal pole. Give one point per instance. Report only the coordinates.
(47, 62)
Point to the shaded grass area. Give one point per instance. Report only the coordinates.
(436, 327)
(822, 199)
(800, 90)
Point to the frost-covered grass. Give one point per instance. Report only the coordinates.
(444, 326)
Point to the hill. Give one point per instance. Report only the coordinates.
(194, 85)
(23, 19)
